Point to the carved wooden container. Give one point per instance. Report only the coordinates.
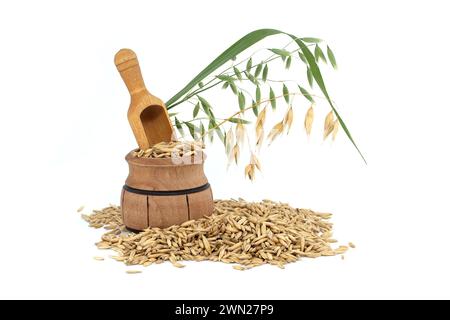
(164, 192)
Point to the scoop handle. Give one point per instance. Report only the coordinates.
(128, 65)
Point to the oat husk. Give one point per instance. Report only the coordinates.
(165, 150)
(247, 234)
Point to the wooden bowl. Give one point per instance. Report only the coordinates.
(163, 192)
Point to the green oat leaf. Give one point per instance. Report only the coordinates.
(273, 100)
(192, 129)
(210, 132)
(233, 87)
(288, 62)
(302, 57)
(251, 78)
(265, 73)
(179, 126)
(196, 110)
(255, 108)
(248, 67)
(225, 78)
(306, 94)
(331, 57)
(205, 105)
(286, 93)
(241, 100)
(239, 120)
(281, 52)
(220, 134)
(310, 77)
(237, 73)
(311, 40)
(318, 53)
(258, 94)
(258, 70)
(202, 131)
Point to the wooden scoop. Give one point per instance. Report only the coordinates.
(147, 114)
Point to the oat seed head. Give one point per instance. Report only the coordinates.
(289, 118)
(309, 118)
(328, 125)
(335, 129)
(275, 132)
(240, 134)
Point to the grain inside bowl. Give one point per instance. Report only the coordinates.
(172, 149)
(247, 234)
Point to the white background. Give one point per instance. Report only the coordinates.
(64, 134)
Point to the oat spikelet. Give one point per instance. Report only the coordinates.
(235, 153)
(260, 127)
(229, 141)
(240, 134)
(250, 171)
(328, 125)
(254, 160)
(288, 118)
(80, 209)
(335, 129)
(275, 132)
(309, 118)
(261, 117)
(259, 136)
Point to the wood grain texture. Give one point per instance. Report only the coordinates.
(147, 114)
(121, 203)
(166, 211)
(135, 211)
(141, 211)
(163, 175)
(200, 204)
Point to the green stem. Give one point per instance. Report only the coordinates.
(206, 87)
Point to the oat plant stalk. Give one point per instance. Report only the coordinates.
(229, 73)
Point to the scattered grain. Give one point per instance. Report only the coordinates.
(247, 234)
(133, 271)
(239, 267)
